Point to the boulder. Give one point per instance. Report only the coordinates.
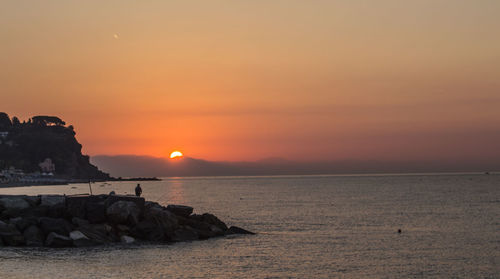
(23, 222)
(237, 230)
(150, 204)
(33, 236)
(204, 234)
(206, 225)
(123, 212)
(181, 210)
(33, 200)
(96, 211)
(199, 226)
(10, 234)
(185, 234)
(13, 203)
(57, 240)
(76, 206)
(53, 200)
(122, 230)
(216, 230)
(79, 222)
(164, 219)
(56, 205)
(97, 232)
(81, 240)
(139, 202)
(148, 230)
(36, 211)
(57, 225)
(127, 239)
(213, 220)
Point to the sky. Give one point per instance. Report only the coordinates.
(246, 80)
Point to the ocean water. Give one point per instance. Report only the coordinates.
(308, 227)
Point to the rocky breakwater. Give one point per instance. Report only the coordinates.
(66, 221)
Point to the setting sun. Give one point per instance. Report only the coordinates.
(175, 154)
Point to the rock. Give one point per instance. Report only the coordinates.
(123, 212)
(33, 200)
(139, 202)
(203, 228)
(53, 200)
(185, 234)
(150, 204)
(56, 205)
(127, 239)
(96, 212)
(122, 230)
(216, 230)
(57, 225)
(97, 233)
(79, 222)
(204, 234)
(195, 222)
(38, 211)
(164, 219)
(13, 203)
(213, 220)
(33, 236)
(181, 210)
(81, 240)
(76, 206)
(39, 220)
(10, 234)
(57, 240)
(22, 223)
(148, 230)
(237, 230)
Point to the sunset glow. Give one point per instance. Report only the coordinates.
(305, 80)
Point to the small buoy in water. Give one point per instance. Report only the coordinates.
(399, 231)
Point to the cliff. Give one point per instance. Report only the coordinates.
(44, 144)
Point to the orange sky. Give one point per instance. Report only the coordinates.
(244, 80)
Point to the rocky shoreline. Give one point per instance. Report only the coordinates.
(84, 220)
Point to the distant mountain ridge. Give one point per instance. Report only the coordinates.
(131, 165)
(44, 143)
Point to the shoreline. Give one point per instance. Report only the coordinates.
(72, 181)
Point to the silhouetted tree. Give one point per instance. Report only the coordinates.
(15, 122)
(5, 123)
(47, 121)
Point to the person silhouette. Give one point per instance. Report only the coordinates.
(138, 190)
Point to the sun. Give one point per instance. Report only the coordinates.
(175, 154)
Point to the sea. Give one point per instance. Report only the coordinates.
(328, 226)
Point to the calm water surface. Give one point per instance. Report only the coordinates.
(309, 227)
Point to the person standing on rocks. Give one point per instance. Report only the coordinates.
(138, 190)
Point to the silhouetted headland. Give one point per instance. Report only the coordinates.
(44, 151)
